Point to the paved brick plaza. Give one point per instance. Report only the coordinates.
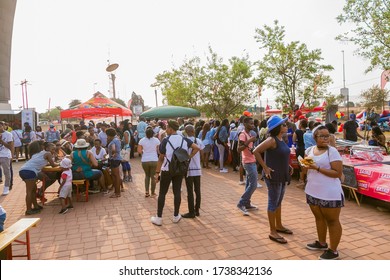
(106, 228)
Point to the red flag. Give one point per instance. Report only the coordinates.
(385, 77)
(267, 108)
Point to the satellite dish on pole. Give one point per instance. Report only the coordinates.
(112, 67)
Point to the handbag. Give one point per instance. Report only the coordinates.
(125, 153)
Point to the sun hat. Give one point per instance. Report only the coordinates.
(81, 143)
(63, 142)
(275, 121)
(66, 163)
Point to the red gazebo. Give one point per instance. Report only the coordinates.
(98, 106)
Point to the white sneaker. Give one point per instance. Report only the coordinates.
(259, 185)
(176, 219)
(241, 183)
(5, 191)
(224, 170)
(156, 221)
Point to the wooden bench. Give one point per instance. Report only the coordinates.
(10, 235)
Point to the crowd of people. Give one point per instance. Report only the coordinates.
(255, 150)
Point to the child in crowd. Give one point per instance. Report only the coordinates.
(65, 189)
(3, 216)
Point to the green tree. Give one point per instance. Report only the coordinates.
(179, 86)
(294, 72)
(332, 100)
(74, 102)
(372, 32)
(218, 89)
(227, 89)
(53, 114)
(374, 97)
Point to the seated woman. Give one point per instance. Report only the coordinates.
(83, 160)
(32, 170)
(98, 151)
(66, 146)
(59, 153)
(377, 138)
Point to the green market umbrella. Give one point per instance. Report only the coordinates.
(166, 112)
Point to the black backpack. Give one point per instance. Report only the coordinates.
(179, 163)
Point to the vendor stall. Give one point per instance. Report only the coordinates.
(372, 178)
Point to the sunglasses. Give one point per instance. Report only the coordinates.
(324, 137)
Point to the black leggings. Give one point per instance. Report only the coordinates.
(166, 179)
(193, 184)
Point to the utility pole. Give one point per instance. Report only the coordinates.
(345, 91)
(155, 93)
(24, 93)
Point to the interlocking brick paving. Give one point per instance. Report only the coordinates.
(106, 228)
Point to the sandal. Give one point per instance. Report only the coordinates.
(280, 240)
(285, 230)
(115, 195)
(147, 194)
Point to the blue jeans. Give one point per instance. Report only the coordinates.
(275, 194)
(251, 183)
(2, 220)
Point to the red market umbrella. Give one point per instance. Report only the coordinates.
(98, 106)
(273, 111)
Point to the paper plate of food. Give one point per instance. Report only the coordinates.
(305, 162)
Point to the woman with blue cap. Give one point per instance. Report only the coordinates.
(277, 173)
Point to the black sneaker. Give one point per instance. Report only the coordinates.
(32, 212)
(63, 211)
(329, 255)
(317, 246)
(188, 216)
(70, 207)
(251, 207)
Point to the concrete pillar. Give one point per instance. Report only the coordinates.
(7, 12)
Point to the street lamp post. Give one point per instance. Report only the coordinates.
(155, 93)
(345, 91)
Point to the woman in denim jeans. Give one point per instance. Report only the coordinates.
(277, 173)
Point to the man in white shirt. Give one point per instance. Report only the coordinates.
(6, 145)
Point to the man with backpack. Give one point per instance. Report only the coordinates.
(173, 164)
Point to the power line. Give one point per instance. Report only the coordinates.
(360, 82)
